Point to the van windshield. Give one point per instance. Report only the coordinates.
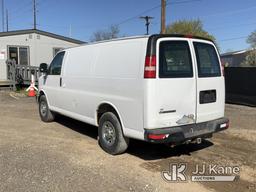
(175, 60)
(207, 60)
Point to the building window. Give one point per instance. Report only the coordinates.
(56, 50)
(19, 54)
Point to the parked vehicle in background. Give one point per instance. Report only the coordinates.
(159, 88)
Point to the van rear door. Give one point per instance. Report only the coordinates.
(210, 82)
(176, 83)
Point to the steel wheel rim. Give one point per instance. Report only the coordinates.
(109, 133)
(43, 108)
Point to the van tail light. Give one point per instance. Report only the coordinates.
(150, 67)
(225, 125)
(158, 137)
(189, 36)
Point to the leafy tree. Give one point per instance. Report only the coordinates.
(189, 27)
(111, 33)
(252, 39)
(250, 59)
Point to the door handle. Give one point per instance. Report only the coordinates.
(60, 81)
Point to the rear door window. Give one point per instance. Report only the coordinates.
(175, 60)
(207, 60)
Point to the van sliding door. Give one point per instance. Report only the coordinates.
(53, 80)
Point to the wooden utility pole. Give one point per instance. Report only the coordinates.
(7, 21)
(163, 16)
(2, 3)
(147, 19)
(34, 11)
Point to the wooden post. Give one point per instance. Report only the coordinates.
(163, 16)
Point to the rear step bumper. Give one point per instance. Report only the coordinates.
(181, 134)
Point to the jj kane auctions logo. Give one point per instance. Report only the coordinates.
(210, 173)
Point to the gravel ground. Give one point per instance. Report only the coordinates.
(65, 156)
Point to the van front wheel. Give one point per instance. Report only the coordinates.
(111, 138)
(44, 111)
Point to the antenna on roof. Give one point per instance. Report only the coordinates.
(2, 14)
(7, 21)
(34, 12)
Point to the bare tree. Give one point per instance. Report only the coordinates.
(111, 33)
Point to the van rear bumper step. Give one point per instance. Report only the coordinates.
(181, 134)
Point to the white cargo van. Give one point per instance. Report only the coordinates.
(159, 88)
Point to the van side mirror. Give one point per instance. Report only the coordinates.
(43, 68)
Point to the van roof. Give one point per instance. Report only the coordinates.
(157, 36)
(152, 38)
(151, 48)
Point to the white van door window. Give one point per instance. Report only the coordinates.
(55, 66)
(176, 87)
(210, 84)
(207, 60)
(175, 60)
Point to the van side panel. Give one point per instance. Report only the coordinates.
(77, 71)
(109, 72)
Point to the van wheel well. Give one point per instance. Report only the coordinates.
(40, 94)
(103, 108)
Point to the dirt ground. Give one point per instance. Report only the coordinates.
(65, 156)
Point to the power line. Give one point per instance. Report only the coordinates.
(42, 4)
(234, 38)
(230, 12)
(18, 16)
(168, 2)
(16, 13)
(24, 6)
(138, 15)
(232, 26)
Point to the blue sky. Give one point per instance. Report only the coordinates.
(230, 21)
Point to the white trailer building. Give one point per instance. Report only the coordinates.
(30, 48)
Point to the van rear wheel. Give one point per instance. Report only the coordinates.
(45, 113)
(111, 138)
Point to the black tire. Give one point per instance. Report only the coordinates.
(44, 111)
(108, 124)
